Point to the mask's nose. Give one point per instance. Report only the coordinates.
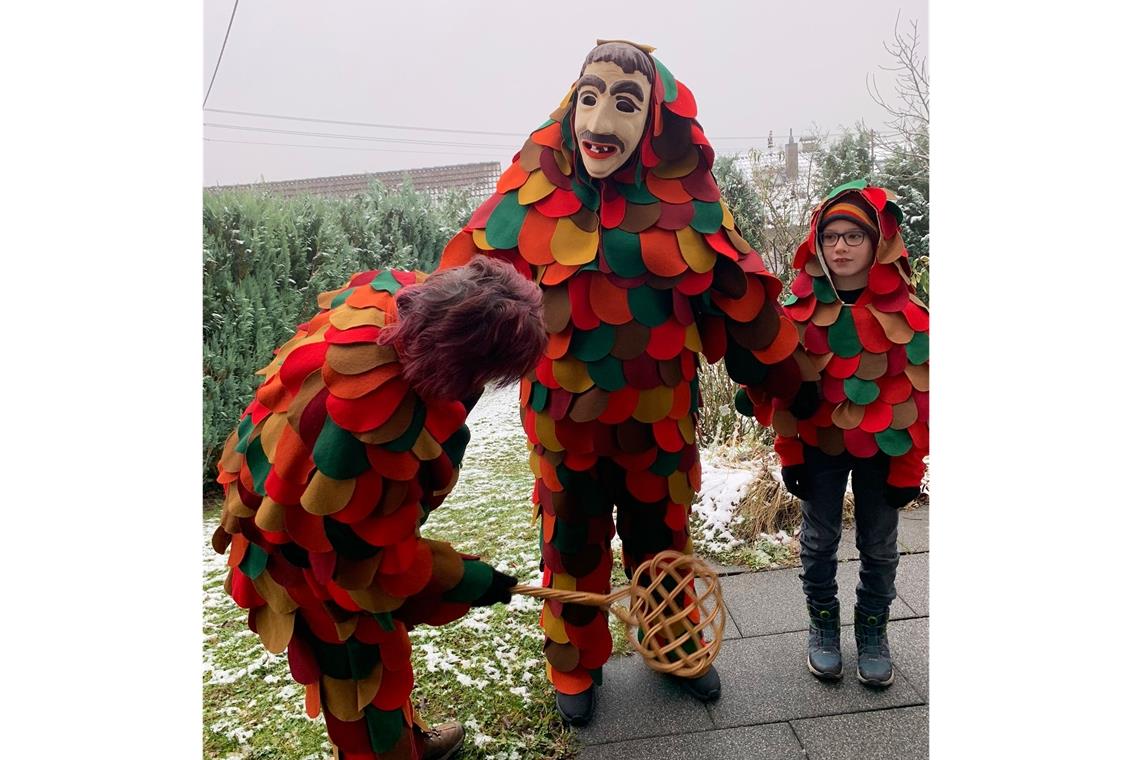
(598, 119)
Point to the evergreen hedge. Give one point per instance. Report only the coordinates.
(266, 258)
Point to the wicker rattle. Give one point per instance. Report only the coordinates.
(671, 641)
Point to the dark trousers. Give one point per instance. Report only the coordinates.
(876, 528)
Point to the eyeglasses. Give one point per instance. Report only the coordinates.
(852, 238)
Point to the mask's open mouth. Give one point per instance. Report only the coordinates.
(598, 150)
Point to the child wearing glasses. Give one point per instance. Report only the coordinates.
(862, 412)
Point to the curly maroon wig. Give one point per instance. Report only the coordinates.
(463, 328)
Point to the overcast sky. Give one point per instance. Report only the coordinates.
(502, 66)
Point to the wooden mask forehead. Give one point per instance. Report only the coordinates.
(627, 57)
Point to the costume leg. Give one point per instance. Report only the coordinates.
(357, 665)
(653, 507)
(577, 527)
(361, 684)
(822, 524)
(876, 535)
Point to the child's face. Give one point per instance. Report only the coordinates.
(847, 262)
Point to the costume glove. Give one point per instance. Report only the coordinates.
(498, 591)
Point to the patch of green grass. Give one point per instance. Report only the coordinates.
(251, 706)
(485, 670)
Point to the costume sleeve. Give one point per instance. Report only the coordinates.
(462, 248)
(457, 580)
(741, 321)
(907, 470)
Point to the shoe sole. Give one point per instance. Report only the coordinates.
(577, 721)
(869, 682)
(825, 676)
(711, 697)
(451, 752)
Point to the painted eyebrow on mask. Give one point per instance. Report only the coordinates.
(628, 86)
(592, 80)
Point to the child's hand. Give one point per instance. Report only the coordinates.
(795, 480)
(899, 497)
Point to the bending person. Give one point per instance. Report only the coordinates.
(353, 439)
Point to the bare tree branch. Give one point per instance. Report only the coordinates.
(910, 111)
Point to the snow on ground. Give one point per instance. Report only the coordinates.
(486, 669)
(722, 487)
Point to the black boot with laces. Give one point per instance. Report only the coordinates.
(824, 658)
(875, 668)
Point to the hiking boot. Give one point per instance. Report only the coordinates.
(576, 709)
(442, 741)
(875, 667)
(824, 658)
(704, 687)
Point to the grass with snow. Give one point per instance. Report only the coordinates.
(717, 522)
(486, 669)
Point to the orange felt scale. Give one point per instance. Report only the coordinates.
(608, 301)
(355, 386)
(661, 253)
(512, 179)
(781, 347)
(534, 239)
(667, 190)
(745, 308)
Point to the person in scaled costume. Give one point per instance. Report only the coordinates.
(864, 412)
(611, 206)
(355, 436)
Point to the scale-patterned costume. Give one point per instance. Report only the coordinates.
(640, 272)
(334, 466)
(870, 358)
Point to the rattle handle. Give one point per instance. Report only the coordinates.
(580, 597)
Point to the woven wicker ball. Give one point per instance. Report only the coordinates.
(671, 642)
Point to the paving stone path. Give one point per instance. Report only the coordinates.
(771, 707)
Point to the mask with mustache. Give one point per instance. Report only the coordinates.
(609, 116)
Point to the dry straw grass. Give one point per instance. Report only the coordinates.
(767, 507)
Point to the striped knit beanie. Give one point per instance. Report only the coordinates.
(851, 207)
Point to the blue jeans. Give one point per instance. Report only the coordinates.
(876, 528)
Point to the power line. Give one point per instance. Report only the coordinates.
(368, 124)
(370, 138)
(220, 53)
(341, 147)
(405, 140)
(411, 128)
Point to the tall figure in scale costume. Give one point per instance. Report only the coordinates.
(611, 206)
(355, 436)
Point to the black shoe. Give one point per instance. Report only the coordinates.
(824, 658)
(576, 709)
(875, 668)
(705, 687)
